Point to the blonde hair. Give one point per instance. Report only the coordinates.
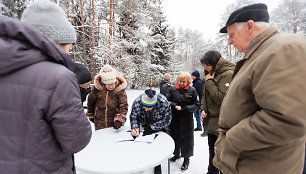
(185, 76)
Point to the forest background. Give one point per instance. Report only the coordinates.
(135, 37)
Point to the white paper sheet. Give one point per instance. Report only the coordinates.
(123, 136)
(146, 139)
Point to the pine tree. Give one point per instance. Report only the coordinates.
(13, 8)
(159, 47)
(290, 16)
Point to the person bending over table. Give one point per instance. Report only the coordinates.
(153, 112)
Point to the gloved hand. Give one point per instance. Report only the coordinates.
(92, 120)
(117, 124)
(147, 131)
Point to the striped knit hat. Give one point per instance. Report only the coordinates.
(149, 98)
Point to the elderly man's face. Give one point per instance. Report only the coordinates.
(238, 36)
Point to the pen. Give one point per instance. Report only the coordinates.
(135, 130)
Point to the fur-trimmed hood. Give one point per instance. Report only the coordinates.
(121, 83)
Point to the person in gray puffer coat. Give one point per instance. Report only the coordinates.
(42, 121)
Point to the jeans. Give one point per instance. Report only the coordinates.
(197, 116)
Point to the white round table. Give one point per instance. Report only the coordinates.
(104, 155)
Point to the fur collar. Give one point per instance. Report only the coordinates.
(121, 83)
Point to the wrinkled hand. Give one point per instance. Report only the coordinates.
(178, 108)
(147, 131)
(208, 76)
(117, 124)
(203, 115)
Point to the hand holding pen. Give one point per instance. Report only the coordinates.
(135, 132)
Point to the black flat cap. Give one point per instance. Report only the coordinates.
(256, 12)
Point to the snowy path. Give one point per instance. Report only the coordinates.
(198, 163)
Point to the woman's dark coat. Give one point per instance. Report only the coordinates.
(181, 126)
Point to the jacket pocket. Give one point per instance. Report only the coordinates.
(225, 153)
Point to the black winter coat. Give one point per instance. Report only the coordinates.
(181, 126)
(198, 84)
(164, 87)
(84, 93)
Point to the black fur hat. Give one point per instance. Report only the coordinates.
(255, 12)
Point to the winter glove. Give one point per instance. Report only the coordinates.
(147, 131)
(117, 124)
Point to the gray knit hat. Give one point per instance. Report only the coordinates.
(50, 20)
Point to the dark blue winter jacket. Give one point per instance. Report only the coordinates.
(164, 87)
(198, 84)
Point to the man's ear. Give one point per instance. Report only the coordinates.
(251, 26)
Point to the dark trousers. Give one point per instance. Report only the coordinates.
(157, 169)
(304, 172)
(212, 138)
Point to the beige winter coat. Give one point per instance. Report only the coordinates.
(263, 116)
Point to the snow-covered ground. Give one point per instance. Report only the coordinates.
(198, 162)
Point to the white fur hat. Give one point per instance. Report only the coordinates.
(108, 74)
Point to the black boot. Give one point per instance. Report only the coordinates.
(157, 170)
(174, 158)
(212, 170)
(185, 164)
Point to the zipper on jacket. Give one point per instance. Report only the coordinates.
(106, 98)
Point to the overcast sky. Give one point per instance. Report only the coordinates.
(201, 15)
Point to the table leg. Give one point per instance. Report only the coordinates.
(168, 165)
